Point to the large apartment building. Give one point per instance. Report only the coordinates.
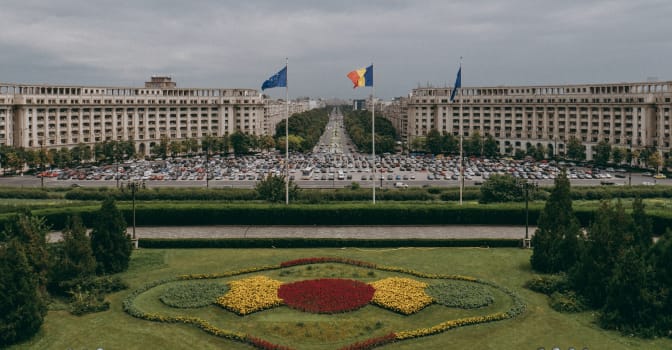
(635, 115)
(56, 116)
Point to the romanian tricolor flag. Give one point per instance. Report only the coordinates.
(362, 77)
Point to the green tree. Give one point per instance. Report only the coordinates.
(110, 244)
(295, 143)
(266, 142)
(240, 143)
(490, 147)
(602, 152)
(473, 145)
(272, 188)
(502, 188)
(434, 142)
(22, 308)
(659, 257)
(160, 149)
(642, 227)
(654, 160)
(627, 303)
(418, 144)
(73, 259)
(608, 236)
(555, 241)
(175, 147)
(451, 144)
(31, 232)
(618, 154)
(575, 150)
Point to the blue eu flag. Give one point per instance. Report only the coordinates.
(458, 84)
(278, 79)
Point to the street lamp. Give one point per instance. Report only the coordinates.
(630, 164)
(42, 163)
(526, 188)
(133, 185)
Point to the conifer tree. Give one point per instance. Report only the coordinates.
(606, 241)
(22, 308)
(31, 232)
(642, 229)
(110, 243)
(74, 260)
(627, 299)
(659, 258)
(555, 241)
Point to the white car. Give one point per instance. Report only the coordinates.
(400, 185)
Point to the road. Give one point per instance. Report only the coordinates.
(34, 182)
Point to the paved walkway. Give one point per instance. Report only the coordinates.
(376, 232)
(360, 232)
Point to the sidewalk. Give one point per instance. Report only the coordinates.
(361, 232)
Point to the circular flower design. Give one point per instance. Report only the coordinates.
(326, 296)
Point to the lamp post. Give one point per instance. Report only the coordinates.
(133, 185)
(526, 187)
(630, 164)
(42, 163)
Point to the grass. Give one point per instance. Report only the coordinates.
(539, 326)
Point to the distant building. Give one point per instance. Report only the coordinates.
(63, 116)
(628, 115)
(276, 110)
(358, 105)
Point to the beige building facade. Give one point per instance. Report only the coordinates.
(57, 116)
(626, 115)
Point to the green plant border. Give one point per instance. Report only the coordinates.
(516, 309)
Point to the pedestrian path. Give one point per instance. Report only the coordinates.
(357, 232)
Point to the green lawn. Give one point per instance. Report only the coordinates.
(539, 326)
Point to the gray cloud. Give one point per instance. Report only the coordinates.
(241, 43)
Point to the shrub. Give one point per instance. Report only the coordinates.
(548, 284)
(464, 295)
(566, 302)
(86, 302)
(193, 294)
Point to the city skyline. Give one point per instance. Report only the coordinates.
(239, 44)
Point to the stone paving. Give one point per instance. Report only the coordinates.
(376, 232)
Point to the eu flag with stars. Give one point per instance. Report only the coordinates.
(458, 84)
(278, 79)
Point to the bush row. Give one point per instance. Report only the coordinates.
(203, 214)
(332, 195)
(320, 243)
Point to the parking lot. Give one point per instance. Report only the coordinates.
(334, 163)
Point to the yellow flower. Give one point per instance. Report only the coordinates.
(403, 295)
(251, 294)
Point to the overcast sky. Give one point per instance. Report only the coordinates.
(216, 43)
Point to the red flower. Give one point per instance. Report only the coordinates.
(371, 343)
(327, 295)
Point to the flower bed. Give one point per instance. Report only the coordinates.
(259, 292)
(326, 296)
(192, 294)
(460, 294)
(403, 295)
(251, 294)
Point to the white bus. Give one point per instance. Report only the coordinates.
(306, 173)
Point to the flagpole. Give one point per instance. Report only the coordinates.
(461, 138)
(373, 135)
(287, 133)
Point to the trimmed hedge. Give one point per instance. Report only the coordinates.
(163, 194)
(211, 213)
(321, 243)
(447, 194)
